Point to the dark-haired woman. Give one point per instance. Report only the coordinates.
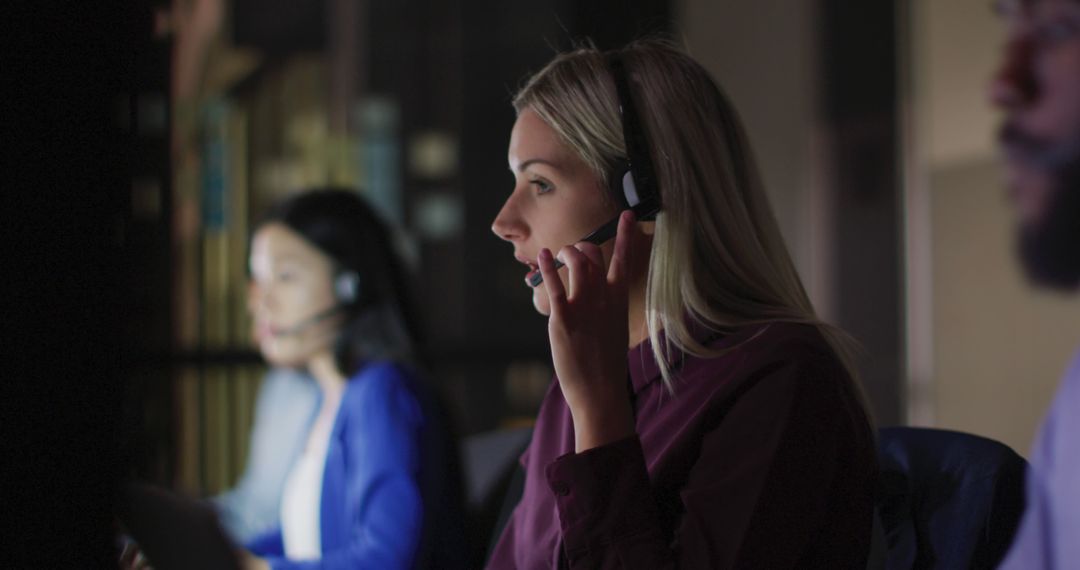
(327, 295)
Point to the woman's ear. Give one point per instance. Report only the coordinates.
(648, 228)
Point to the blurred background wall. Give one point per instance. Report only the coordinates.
(868, 119)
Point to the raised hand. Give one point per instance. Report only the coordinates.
(588, 330)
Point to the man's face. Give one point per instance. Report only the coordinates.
(1038, 87)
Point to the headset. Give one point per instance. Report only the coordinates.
(346, 293)
(347, 287)
(632, 182)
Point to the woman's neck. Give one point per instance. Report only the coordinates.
(639, 331)
(636, 287)
(324, 369)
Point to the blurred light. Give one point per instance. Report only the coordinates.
(433, 155)
(439, 216)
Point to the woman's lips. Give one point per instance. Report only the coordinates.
(533, 267)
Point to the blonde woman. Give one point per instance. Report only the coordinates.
(702, 416)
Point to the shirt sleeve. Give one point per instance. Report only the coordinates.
(382, 494)
(771, 454)
(1051, 522)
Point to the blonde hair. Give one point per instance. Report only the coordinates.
(718, 257)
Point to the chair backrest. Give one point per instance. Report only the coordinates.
(947, 499)
(489, 458)
(494, 483)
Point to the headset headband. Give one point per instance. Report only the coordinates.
(637, 148)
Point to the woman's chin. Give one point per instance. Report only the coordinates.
(281, 358)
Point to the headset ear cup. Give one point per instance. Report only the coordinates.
(630, 193)
(347, 287)
(620, 177)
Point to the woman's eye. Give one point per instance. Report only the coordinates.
(542, 186)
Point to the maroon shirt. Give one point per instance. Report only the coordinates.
(762, 459)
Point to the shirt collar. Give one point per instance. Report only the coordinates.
(642, 364)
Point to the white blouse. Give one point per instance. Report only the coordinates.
(301, 496)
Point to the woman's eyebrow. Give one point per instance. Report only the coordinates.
(288, 257)
(531, 161)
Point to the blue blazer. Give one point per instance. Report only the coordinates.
(371, 511)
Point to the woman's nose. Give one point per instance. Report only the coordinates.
(508, 224)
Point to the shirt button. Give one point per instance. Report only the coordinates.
(561, 488)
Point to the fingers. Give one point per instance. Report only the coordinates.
(552, 284)
(621, 257)
(592, 252)
(585, 266)
(578, 270)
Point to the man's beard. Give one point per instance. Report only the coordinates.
(1050, 247)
